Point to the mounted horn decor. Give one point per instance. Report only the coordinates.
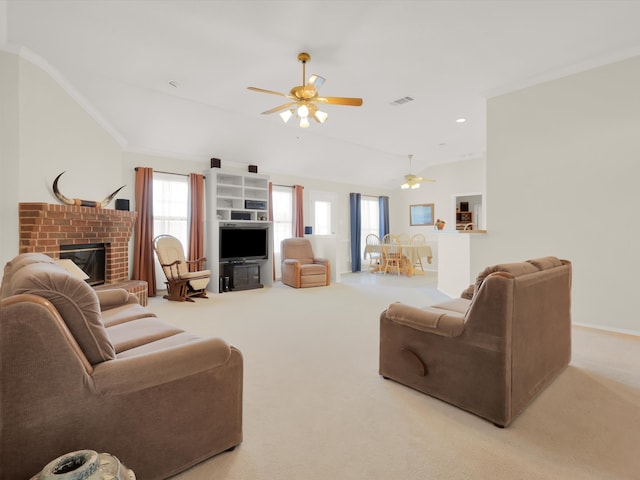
(82, 203)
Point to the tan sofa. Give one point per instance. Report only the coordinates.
(300, 267)
(491, 351)
(87, 370)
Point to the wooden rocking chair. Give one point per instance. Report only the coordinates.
(181, 283)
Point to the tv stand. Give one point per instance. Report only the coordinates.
(242, 276)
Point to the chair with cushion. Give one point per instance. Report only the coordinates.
(491, 351)
(182, 284)
(418, 239)
(86, 370)
(393, 257)
(403, 238)
(300, 267)
(373, 250)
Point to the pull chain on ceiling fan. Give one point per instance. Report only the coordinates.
(413, 181)
(305, 97)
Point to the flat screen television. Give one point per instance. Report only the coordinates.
(240, 243)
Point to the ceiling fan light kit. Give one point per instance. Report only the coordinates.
(304, 98)
(413, 181)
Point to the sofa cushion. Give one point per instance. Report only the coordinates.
(459, 305)
(515, 269)
(141, 331)
(76, 302)
(125, 313)
(447, 323)
(16, 264)
(546, 263)
(313, 269)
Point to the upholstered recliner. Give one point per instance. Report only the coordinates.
(300, 268)
(492, 351)
(181, 283)
(86, 370)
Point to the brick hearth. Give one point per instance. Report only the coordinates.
(44, 227)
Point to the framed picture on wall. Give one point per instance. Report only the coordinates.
(421, 214)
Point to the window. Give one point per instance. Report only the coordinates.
(369, 218)
(322, 215)
(282, 198)
(171, 206)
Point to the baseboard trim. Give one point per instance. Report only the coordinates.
(620, 331)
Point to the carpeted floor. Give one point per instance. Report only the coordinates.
(315, 407)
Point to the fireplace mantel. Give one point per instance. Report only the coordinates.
(44, 227)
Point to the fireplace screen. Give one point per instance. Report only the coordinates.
(90, 258)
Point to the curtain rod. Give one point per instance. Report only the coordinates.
(171, 173)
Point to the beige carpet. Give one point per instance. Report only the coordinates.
(315, 407)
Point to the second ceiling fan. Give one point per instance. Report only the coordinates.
(411, 180)
(305, 99)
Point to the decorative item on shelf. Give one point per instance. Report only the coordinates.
(82, 203)
(440, 224)
(85, 465)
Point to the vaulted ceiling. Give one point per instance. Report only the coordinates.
(170, 77)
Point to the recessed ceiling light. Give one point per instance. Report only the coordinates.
(461, 120)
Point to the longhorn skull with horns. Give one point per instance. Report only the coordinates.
(82, 203)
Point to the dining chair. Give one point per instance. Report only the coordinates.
(373, 249)
(392, 254)
(418, 239)
(404, 238)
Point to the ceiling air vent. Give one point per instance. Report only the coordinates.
(402, 101)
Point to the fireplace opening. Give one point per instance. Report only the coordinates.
(91, 258)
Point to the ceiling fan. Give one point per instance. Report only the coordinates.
(305, 98)
(411, 180)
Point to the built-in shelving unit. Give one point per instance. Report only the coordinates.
(236, 198)
(464, 220)
(241, 197)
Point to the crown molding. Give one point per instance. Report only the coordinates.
(61, 80)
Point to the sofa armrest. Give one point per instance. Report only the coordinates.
(447, 323)
(130, 374)
(115, 297)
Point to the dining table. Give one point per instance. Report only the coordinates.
(411, 251)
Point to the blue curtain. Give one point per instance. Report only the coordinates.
(383, 208)
(354, 210)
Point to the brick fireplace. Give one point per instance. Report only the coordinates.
(45, 227)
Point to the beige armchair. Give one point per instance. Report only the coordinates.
(81, 370)
(181, 283)
(492, 351)
(300, 268)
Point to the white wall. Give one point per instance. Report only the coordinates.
(45, 131)
(562, 169)
(56, 135)
(451, 180)
(343, 222)
(9, 154)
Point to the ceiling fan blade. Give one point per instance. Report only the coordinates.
(423, 180)
(262, 90)
(316, 80)
(280, 108)
(353, 102)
